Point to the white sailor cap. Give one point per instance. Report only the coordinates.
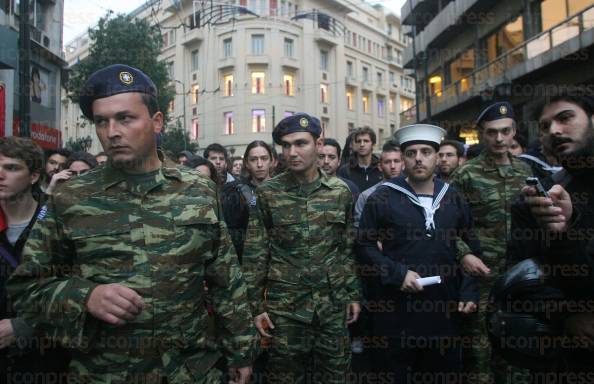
(420, 134)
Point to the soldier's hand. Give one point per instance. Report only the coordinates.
(353, 311)
(410, 283)
(554, 212)
(114, 303)
(467, 307)
(6, 333)
(262, 323)
(474, 266)
(239, 375)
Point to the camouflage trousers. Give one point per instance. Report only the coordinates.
(480, 364)
(303, 353)
(149, 376)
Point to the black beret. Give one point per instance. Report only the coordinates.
(299, 122)
(112, 80)
(496, 111)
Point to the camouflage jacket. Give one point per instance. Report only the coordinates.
(159, 234)
(298, 254)
(490, 191)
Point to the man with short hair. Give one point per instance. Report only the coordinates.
(329, 161)
(391, 166)
(218, 156)
(490, 183)
(125, 252)
(362, 169)
(417, 219)
(558, 230)
(55, 161)
(101, 158)
(183, 157)
(298, 263)
(450, 153)
(21, 166)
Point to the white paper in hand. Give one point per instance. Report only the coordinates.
(431, 280)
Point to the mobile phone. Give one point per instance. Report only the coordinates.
(534, 182)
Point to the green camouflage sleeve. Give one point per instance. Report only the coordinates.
(229, 297)
(353, 284)
(256, 254)
(47, 288)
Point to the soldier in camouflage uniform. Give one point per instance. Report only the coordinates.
(298, 263)
(115, 270)
(490, 183)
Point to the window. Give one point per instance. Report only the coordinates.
(507, 37)
(350, 68)
(435, 84)
(169, 38)
(195, 129)
(354, 39)
(229, 128)
(288, 48)
(171, 106)
(257, 44)
(170, 70)
(349, 99)
(194, 60)
(323, 60)
(392, 78)
(324, 93)
(405, 104)
(172, 37)
(228, 85)
(288, 82)
(392, 104)
(461, 68)
(365, 103)
(381, 107)
(365, 74)
(258, 120)
(380, 78)
(227, 47)
(324, 125)
(195, 91)
(258, 83)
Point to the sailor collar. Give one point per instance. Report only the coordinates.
(439, 190)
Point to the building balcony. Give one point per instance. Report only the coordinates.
(193, 36)
(226, 62)
(289, 62)
(257, 60)
(351, 80)
(418, 7)
(550, 46)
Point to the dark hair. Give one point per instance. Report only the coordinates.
(578, 95)
(334, 143)
(101, 154)
(390, 146)
(474, 150)
(346, 153)
(365, 131)
(196, 161)
(521, 139)
(216, 147)
(151, 103)
(23, 149)
(83, 156)
(456, 144)
(256, 144)
(60, 151)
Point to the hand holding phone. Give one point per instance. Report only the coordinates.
(534, 182)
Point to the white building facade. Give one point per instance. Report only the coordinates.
(236, 79)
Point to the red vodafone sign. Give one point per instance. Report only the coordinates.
(46, 137)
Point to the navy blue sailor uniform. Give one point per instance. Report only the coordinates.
(421, 239)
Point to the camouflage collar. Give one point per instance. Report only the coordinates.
(489, 161)
(113, 176)
(292, 183)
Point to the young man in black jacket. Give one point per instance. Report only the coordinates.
(21, 165)
(362, 168)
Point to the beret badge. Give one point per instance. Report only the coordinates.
(126, 78)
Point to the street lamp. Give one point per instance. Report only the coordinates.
(184, 104)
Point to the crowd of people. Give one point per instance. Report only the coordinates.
(142, 267)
